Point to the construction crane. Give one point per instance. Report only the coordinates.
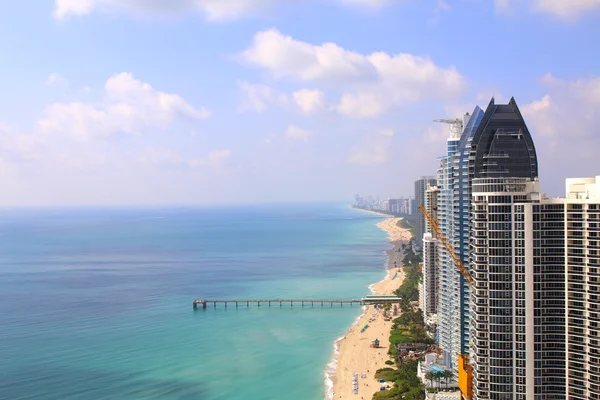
(456, 126)
(465, 369)
(440, 235)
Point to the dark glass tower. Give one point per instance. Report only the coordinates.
(516, 321)
(502, 145)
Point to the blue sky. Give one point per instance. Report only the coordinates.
(234, 101)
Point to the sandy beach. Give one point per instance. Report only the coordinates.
(356, 356)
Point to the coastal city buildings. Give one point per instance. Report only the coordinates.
(529, 328)
(421, 185)
(429, 284)
(582, 228)
(517, 308)
(453, 219)
(398, 206)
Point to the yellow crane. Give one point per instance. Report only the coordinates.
(440, 235)
(465, 370)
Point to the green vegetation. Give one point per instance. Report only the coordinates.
(437, 376)
(409, 290)
(407, 385)
(389, 362)
(409, 328)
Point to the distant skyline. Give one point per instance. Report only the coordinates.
(109, 102)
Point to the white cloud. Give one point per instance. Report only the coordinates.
(566, 9)
(261, 97)
(361, 105)
(379, 80)
(16, 146)
(129, 107)
(563, 122)
(309, 101)
(387, 132)
(55, 79)
(295, 133)
(285, 57)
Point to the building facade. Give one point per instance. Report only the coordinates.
(453, 218)
(582, 220)
(517, 323)
(429, 287)
(421, 185)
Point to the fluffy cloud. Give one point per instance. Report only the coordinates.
(211, 9)
(19, 147)
(309, 101)
(129, 106)
(379, 80)
(295, 133)
(567, 9)
(259, 97)
(285, 57)
(566, 121)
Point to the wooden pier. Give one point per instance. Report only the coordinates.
(203, 303)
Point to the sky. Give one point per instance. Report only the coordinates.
(156, 102)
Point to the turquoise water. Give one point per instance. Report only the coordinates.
(97, 303)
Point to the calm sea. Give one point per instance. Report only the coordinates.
(97, 303)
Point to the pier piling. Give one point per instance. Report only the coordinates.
(369, 300)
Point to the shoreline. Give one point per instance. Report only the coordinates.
(352, 353)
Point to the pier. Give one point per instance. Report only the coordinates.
(369, 300)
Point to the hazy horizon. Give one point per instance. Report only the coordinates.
(196, 102)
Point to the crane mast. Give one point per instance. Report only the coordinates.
(440, 235)
(465, 369)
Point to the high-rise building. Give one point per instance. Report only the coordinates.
(453, 218)
(429, 285)
(517, 327)
(582, 228)
(421, 185)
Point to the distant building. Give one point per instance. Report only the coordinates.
(421, 185)
(429, 287)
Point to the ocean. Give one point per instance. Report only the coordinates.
(97, 303)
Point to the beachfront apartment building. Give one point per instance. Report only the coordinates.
(517, 309)
(429, 284)
(453, 219)
(421, 185)
(582, 248)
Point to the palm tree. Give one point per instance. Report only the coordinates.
(438, 376)
(430, 376)
(447, 375)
